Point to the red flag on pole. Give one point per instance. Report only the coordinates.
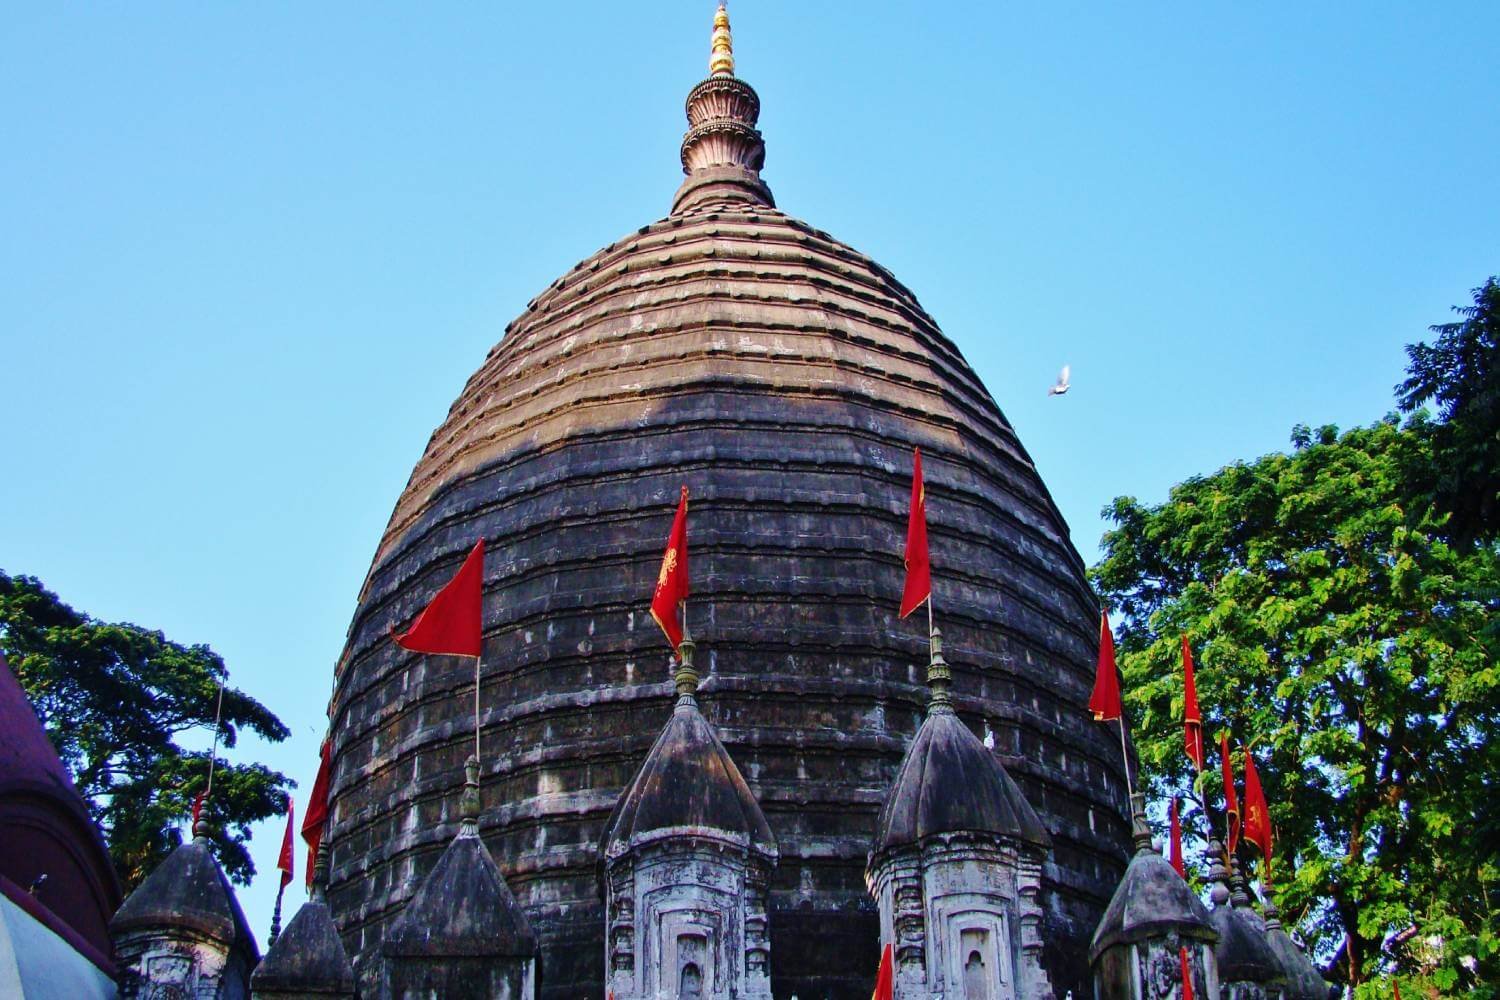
(885, 979)
(1105, 701)
(1257, 813)
(1187, 975)
(672, 581)
(1231, 802)
(452, 623)
(285, 862)
(1397, 987)
(198, 801)
(317, 808)
(918, 566)
(1192, 719)
(1176, 857)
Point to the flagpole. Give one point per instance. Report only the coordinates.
(214, 753)
(477, 661)
(276, 916)
(1125, 756)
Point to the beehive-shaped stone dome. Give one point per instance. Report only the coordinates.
(785, 379)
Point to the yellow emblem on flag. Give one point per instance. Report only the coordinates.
(668, 564)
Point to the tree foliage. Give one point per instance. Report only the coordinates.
(115, 699)
(1460, 373)
(1342, 601)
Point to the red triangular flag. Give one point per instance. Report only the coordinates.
(1231, 802)
(1176, 856)
(885, 979)
(1192, 719)
(1105, 701)
(317, 808)
(285, 861)
(198, 801)
(1187, 975)
(1397, 986)
(918, 566)
(1257, 828)
(672, 581)
(452, 623)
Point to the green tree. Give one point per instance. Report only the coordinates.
(1460, 373)
(115, 699)
(1347, 637)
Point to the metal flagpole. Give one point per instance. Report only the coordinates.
(1125, 756)
(477, 661)
(213, 754)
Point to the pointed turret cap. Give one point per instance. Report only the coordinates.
(1303, 980)
(189, 890)
(688, 784)
(464, 908)
(949, 782)
(308, 956)
(1242, 954)
(1151, 900)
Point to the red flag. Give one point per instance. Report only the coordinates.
(885, 979)
(453, 622)
(1105, 701)
(918, 566)
(1257, 813)
(1187, 975)
(285, 862)
(1397, 986)
(317, 808)
(1231, 803)
(1192, 719)
(1177, 842)
(198, 801)
(672, 581)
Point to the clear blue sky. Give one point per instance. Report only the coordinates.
(249, 254)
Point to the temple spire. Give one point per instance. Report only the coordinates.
(722, 152)
(721, 58)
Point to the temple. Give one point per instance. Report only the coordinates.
(807, 783)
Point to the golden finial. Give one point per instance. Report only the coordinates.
(721, 59)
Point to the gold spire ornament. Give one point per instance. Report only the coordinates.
(721, 59)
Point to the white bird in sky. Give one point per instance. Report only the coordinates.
(1062, 383)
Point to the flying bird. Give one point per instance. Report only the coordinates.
(1062, 383)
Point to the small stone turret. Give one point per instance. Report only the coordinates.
(463, 935)
(182, 932)
(687, 860)
(1153, 914)
(1248, 970)
(307, 960)
(957, 865)
(1304, 981)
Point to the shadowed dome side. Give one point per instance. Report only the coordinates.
(688, 784)
(950, 783)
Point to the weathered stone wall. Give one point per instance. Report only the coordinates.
(785, 378)
(167, 962)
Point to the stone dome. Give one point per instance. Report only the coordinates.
(785, 379)
(190, 891)
(1152, 901)
(687, 755)
(950, 783)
